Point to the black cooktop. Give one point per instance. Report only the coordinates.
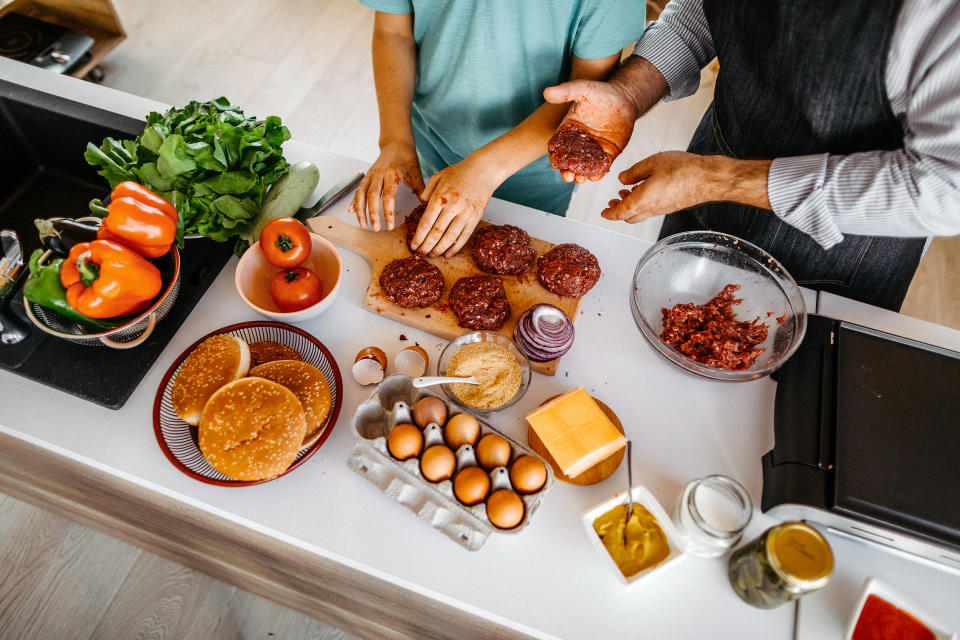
(43, 174)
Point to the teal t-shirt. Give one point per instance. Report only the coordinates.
(482, 66)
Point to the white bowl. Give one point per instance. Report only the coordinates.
(254, 273)
(642, 497)
(874, 587)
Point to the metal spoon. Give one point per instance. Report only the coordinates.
(629, 489)
(429, 381)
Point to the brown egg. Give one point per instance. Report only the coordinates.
(528, 474)
(462, 429)
(437, 463)
(493, 451)
(405, 441)
(429, 409)
(504, 509)
(471, 485)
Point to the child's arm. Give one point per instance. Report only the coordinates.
(394, 74)
(458, 194)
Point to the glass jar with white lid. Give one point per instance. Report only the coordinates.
(711, 514)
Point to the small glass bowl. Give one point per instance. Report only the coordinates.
(484, 336)
(693, 267)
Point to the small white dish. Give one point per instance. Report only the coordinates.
(254, 273)
(874, 587)
(642, 497)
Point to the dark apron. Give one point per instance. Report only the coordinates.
(799, 78)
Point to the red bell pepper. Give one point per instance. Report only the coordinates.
(106, 280)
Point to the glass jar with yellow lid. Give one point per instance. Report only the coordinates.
(786, 562)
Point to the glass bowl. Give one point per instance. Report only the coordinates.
(694, 266)
(484, 336)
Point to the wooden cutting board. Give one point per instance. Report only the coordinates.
(380, 248)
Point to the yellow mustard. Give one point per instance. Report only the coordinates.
(645, 545)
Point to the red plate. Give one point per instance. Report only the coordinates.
(178, 440)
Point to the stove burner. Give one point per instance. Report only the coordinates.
(24, 38)
(20, 44)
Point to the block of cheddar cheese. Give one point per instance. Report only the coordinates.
(576, 432)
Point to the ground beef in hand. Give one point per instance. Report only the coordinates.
(573, 149)
(411, 282)
(505, 250)
(568, 270)
(480, 302)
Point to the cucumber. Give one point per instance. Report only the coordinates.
(283, 200)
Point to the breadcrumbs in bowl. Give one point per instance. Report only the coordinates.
(495, 361)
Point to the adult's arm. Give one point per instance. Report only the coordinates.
(909, 192)
(457, 195)
(394, 75)
(666, 64)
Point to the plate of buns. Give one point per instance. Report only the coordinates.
(247, 403)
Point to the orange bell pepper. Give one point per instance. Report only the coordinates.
(105, 279)
(138, 225)
(128, 189)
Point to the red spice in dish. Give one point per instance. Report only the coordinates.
(880, 620)
(710, 333)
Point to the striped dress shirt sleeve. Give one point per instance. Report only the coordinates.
(914, 191)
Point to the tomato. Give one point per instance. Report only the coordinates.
(296, 289)
(285, 242)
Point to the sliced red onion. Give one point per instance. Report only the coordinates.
(543, 332)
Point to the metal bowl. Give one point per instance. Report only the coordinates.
(484, 336)
(696, 265)
(126, 336)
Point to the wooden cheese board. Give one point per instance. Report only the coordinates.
(381, 247)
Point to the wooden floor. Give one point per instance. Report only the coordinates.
(309, 62)
(60, 580)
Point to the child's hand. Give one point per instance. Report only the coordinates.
(397, 163)
(456, 198)
(601, 109)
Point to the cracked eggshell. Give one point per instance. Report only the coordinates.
(369, 366)
(411, 361)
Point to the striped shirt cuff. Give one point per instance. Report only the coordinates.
(795, 189)
(666, 50)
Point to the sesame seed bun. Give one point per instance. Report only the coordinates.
(269, 350)
(216, 361)
(309, 385)
(251, 429)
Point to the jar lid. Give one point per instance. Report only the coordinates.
(800, 555)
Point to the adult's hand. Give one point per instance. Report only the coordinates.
(456, 198)
(676, 180)
(397, 163)
(601, 109)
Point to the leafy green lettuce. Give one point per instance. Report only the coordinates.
(209, 160)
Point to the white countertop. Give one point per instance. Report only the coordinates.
(547, 580)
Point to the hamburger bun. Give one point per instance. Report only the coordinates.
(216, 361)
(251, 429)
(268, 350)
(309, 385)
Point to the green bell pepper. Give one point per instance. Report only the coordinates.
(43, 288)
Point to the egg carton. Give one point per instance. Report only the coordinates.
(390, 404)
